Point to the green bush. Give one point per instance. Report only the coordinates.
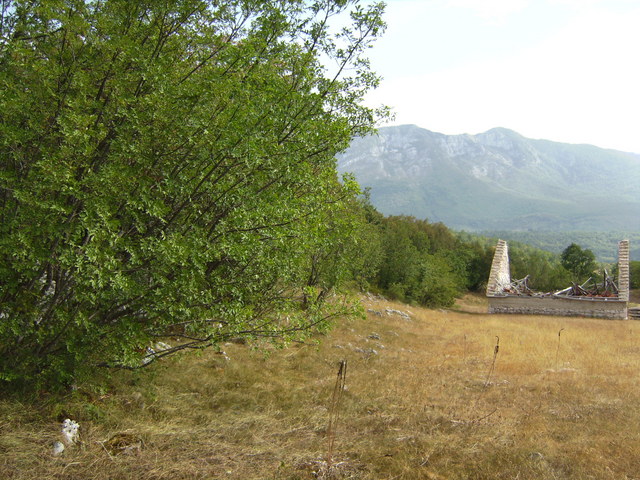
(168, 169)
(426, 263)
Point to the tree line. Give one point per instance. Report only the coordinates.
(602, 244)
(428, 264)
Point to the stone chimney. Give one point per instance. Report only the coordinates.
(623, 270)
(500, 276)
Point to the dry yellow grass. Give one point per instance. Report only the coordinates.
(417, 406)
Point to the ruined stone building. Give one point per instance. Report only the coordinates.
(503, 298)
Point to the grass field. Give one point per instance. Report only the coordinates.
(426, 397)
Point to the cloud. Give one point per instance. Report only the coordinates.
(578, 85)
(492, 11)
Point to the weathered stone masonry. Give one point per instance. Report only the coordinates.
(597, 307)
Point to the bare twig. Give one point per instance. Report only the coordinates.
(475, 420)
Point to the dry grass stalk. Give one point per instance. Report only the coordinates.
(493, 362)
(558, 349)
(334, 410)
(464, 348)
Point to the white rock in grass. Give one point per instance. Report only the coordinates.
(58, 448)
(391, 311)
(160, 346)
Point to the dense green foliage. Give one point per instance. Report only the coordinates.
(168, 169)
(426, 263)
(545, 269)
(634, 274)
(580, 262)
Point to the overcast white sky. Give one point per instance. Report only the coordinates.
(564, 70)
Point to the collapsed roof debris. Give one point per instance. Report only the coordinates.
(607, 289)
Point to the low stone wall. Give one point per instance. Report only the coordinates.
(609, 308)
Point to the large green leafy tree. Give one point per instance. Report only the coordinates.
(580, 262)
(167, 168)
(545, 270)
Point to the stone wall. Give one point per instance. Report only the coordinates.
(597, 307)
(566, 307)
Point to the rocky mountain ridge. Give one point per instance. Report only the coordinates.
(497, 180)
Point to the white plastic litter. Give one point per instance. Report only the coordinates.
(70, 431)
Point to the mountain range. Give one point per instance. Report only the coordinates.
(497, 180)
